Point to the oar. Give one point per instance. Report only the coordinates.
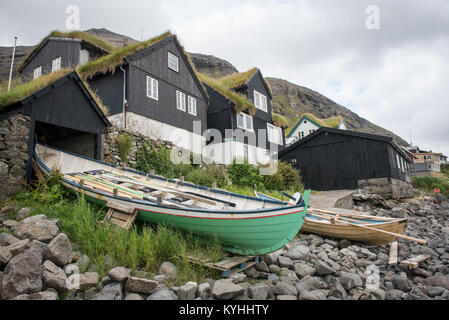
(181, 193)
(351, 215)
(422, 241)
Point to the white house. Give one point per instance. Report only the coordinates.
(308, 124)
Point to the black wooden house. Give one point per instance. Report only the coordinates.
(333, 159)
(154, 91)
(260, 133)
(59, 51)
(63, 114)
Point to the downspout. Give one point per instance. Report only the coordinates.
(124, 98)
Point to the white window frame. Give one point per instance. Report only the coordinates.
(153, 93)
(277, 138)
(192, 106)
(37, 72)
(56, 64)
(260, 101)
(244, 127)
(172, 58)
(180, 100)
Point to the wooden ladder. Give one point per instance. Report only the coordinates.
(120, 215)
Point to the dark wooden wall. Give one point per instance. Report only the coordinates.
(155, 65)
(69, 51)
(110, 89)
(331, 161)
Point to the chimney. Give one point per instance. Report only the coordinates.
(125, 41)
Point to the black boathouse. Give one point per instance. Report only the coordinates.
(334, 159)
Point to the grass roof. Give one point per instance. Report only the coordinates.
(23, 90)
(332, 122)
(241, 103)
(279, 120)
(111, 61)
(236, 80)
(97, 42)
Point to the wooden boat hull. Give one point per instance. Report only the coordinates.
(312, 224)
(254, 232)
(353, 233)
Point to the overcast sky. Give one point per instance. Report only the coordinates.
(395, 75)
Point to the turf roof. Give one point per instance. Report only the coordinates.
(332, 122)
(279, 120)
(92, 40)
(110, 62)
(24, 90)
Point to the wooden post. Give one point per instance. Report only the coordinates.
(181, 178)
(115, 192)
(214, 185)
(393, 259)
(81, 183)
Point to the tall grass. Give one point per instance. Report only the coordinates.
(427, 184)
(144, 247)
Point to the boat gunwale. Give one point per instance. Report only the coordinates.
(153, 176)
(149, 203)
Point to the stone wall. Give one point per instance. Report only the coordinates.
(112, 151)
(13, 154)
(387, 187)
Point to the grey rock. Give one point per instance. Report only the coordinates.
(285, 262)
(59, 250)
(133, 296)
(54, 277)
(22, 275)
(321, 294)
(204, 290)
(10, 223)
(305, 295)
(88, 280)
(290, 274)
(438, 281)
(239, 277)
(272, 257)
(282, 288)
(314, 283)
(274, 268)
(324, 268)
(119, 274)
(38, 245)
(262, 266)
(344, 243)
(187, 291)
(337, 290)
(379, 294)
(400, 283)
(111, 291)
(252, 273)
(44, 295)
(259, 291)
(273, 278)
(297, 253)
(23, 213)
(434, 291)
(303, 269)
(350, 280)
(140, 285)
(37, 228)
(286, 297)
(5, 256)
(225, 289)
(18, 246)
(169, 269)
(7, 239)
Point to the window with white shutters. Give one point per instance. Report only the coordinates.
(180, 100)
(245, 121)
(274, 134)
(56, 64)
(37, 72)
(173, 62)
(260, 101)
(192, 105)
(152, 88)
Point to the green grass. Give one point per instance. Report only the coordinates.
(144, 247)
(105, 45)
(111, 61)
(427, 184)
(279, 120)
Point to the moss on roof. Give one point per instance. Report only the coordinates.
(24, 90)
(241, 103)
(97, 42)
(111, 61)
(237, 80)
(332, 122)
(279, 120)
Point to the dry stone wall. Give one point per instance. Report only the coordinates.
(14, 133)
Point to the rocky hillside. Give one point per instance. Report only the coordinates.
(290, 99)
